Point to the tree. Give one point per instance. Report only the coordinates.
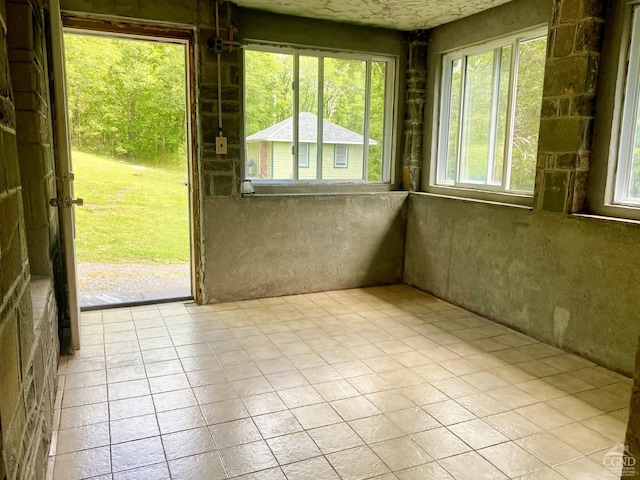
(127, 98)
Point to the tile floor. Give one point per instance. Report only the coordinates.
(386, 383)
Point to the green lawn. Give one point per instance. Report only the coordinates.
(131, 213)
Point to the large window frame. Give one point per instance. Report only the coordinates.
(443, 137)
(390, 101)
(619, 190)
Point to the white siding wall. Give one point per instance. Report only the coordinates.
(280, 155)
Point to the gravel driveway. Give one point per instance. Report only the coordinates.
(130, 282)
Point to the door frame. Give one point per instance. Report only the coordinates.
(185, 35)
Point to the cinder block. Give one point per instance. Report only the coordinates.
(560, 134)
(10, 371)
(555, 191)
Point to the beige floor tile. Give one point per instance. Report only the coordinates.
(293, 448)
(357, 464)
(336, 437)
(276, 424)
(582, 469)
(187, 442)
(264, 403)
(477, 434)
(159, 471)
(205, 466)
(440, 443)
(389, 401)
(400, 453)
(82, 464)
(319, 375)
(548, 448)
(448, 412)
(425, 471)
(138, 453)
(318, 415)
(82, 438)
(471, 466)
(136, 428)
(355, 407)
(413, 420)
(300, 396)
(84, 415)
(234, 433)
(512, 425)
(512, 459)
(582, 438)
(247, 458)
(543, 415)
(376, 429)
(312, 469)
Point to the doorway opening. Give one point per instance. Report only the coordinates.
(128, 100)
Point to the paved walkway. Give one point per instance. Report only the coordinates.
(101, 284)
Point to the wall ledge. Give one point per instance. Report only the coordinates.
(471, 200)
(41, 287)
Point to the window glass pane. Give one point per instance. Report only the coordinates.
(634, 168)
(501, 126)
(308, 117)
(376, 121)
(454, 119)
(531, 62)
(268, 115)
(344, 103)
(476, 124)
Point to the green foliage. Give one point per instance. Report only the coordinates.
(126, 98)
(131, 213)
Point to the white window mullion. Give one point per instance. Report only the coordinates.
(296, 114)
(320, 136)
(367, 114)
(463, 89)
(495, 104)
(511, 114)
(389, 100)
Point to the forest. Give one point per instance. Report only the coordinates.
(127, 98)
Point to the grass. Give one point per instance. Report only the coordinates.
(131, 213)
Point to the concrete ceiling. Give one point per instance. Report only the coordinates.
(393, 14)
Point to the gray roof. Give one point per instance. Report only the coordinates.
(308, 127)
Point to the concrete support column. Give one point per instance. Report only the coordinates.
(414, 117)
(568, 104)
(633, 429)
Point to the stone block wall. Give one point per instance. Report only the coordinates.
(28, 341)
(222, 174)
(27, 59)
(568, 106)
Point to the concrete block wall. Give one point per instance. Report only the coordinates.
(28, 341)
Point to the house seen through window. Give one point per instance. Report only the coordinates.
(490, 114)
(314, 116)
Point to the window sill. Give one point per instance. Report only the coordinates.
(472, 200)
(281, 189)
(607, 219)
(500, 198)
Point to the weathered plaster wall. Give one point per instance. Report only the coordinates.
(276, 245)
(569, 281)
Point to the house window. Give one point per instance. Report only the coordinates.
(303, 155)
(318, 117)
(341, 156)
(626, 189)
(490, 114)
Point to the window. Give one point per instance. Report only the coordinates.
(490, 114)
(627, 178)
(316, 117)
(341, 156)
(303, 156)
